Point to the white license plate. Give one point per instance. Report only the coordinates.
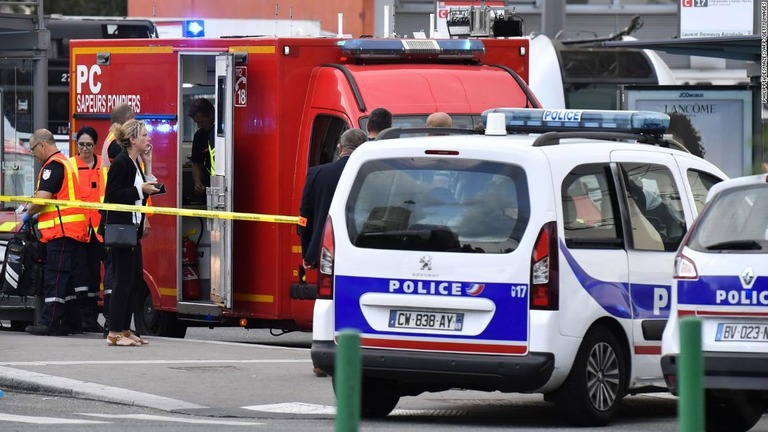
(741, 332)
(425, 320)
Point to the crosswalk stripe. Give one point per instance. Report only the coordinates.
(294, 408)
(302, 408)
(190, 420)
(46, 420)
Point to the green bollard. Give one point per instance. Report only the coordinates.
(690, 377)
(347, 377)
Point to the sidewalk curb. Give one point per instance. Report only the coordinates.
(17, 379)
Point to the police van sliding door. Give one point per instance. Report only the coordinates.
(656, 218)
(219, 195)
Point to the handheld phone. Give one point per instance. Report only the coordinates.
(160, 186)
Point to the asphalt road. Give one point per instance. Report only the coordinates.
(247, 377)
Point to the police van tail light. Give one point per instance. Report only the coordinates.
(685, 268)
(545, 288)
(325, 264)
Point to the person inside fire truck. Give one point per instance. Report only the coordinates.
(379, 120)
(91, 180)
(202, 112)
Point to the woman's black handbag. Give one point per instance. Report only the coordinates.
(120, 235)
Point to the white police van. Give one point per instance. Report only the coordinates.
(719, 278)
(510, 262)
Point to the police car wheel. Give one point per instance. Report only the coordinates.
(736, 412)
(377, 398)
(592, 393)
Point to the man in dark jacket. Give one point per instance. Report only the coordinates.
(318, 192)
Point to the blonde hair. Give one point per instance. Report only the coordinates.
(130, 129)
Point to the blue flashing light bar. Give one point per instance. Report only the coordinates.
(194, 28)
(544, 120)
(405, 49)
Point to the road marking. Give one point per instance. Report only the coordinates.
(302, 408)
(667, 396)
(294, 408)
(173, 419)
(145, 362)
(16, 378)
(241, 344)
(46, 420)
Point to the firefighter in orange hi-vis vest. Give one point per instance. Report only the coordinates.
(92, 181)
(65, 232)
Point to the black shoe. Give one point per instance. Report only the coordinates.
(38, 330)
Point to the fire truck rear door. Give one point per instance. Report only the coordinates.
(219, 195)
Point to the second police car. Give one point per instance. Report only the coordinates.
(720, 279)
(510, 261)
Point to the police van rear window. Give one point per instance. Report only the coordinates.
(438, 204)
(736, 221)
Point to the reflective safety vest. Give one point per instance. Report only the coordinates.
(92, 184)
(211, 152)
(54, 222)
(105, 160)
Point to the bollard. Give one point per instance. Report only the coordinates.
(347, 377)
(690, 377)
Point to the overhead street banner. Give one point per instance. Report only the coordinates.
(716, 18)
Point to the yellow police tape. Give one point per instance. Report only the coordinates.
(170, 211)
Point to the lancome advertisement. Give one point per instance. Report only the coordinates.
(712, 121)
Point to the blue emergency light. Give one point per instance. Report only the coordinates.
(404, 49)
(194, 28)
(544, 120)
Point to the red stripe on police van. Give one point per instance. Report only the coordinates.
(721, 313)
(444, 346)
(647, 349)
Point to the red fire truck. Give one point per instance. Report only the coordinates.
(281, 106)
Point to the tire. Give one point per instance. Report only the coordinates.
(592, 393)
(737, 413)
(152, 322)
(378, 398)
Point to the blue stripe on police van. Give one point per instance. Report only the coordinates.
(722, 291)
(643, 301)
(509, 321)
